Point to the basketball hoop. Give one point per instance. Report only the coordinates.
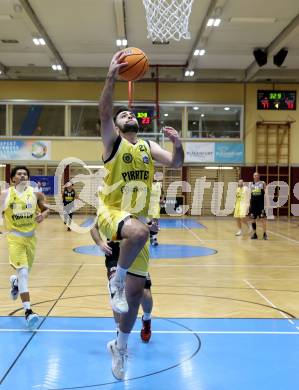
(167, 19)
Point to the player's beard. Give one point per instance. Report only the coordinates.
(130, 128)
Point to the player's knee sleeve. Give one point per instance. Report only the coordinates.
(23, 280)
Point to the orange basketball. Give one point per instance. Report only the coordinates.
(138, 64)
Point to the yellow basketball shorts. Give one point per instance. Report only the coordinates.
(21, 250)
(109, 223)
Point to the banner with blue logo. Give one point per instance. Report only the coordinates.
(25, 150)
(229, 152)
(47, 184)
(214, 152)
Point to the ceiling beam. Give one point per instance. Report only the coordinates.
(43, 33)
(120, 17)
(215, 7)
(282, 40)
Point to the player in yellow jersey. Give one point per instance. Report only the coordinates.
(126, 199)
(23, 209)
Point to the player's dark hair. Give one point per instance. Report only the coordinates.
(15, 170)
(119, 110)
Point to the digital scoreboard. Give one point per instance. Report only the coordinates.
(145, 116)
(276, 100)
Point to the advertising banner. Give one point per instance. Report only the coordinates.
(25, 150)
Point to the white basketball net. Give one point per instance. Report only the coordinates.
(167, 19)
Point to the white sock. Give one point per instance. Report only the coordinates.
(147, 316)
(120, 273)
(122, 340)
(26, 305)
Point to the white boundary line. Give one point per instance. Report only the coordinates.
(155, 331)
(285, 237)
(268, 301)
(193, 234)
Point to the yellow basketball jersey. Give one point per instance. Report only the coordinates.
(128, 184)
(21, 210)
(240, 195)
(157, 190)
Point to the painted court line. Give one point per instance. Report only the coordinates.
(155, 331)
(268, 301)
(194, 234)
(283, 236)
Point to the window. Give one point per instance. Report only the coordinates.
(38, 120)
(214, 121)
(84, 121)
(2, 119)
(171, 115)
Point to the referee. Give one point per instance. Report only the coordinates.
(257, 204)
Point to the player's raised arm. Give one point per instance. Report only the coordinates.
(108, 131)
(174, 159)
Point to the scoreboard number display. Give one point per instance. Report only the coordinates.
(276, 100)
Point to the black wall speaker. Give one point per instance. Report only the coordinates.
(279, 57)
(260, 56)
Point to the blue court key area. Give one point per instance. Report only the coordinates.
(183, 354)
(173, 223)
(162, 251)
(179, 223)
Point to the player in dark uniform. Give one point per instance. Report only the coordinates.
(68, 197)
(111, 250)
(257, 204)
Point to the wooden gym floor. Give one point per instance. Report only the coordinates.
(227, 320)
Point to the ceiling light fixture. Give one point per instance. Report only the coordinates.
(121, 42)
(226, 108)
(199, 52)
(189, 73)
(195, 108)
(57, 67)
(39, 41)
(214, 22)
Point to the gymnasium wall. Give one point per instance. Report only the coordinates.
(199, 92)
